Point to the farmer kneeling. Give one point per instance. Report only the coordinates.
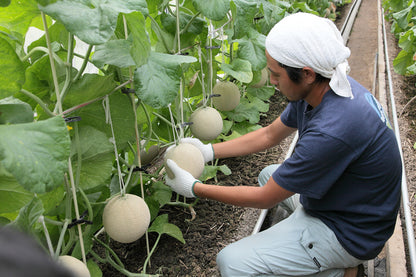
(342, 183)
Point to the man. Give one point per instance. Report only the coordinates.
(342, 183)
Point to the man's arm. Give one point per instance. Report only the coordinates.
(245, 196)
(254, 142)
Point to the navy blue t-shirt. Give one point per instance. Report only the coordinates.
(347, 168)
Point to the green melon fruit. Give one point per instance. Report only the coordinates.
(126, 218)
(77, 267)
(229, 96)
(263, 80)
(186, 156)
(206, 123)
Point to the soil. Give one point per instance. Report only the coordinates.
(216, 224)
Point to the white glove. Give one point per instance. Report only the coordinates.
(206, 149)
(183, 182)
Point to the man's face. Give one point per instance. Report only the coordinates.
(280, 78)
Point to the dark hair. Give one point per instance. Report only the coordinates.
(295, 74)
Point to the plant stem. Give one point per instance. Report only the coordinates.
(79, 154)
(54, 76)
(61, 239)
(211, 35)
(68, 70)
(149, 122)
(136, 130)
(96, 99)
(74, 196)
(110, 122)
(89, 209)
(151, 252)
(53, 222)
(84, 63)
(48, 238)
(162, 118)
(45, 50)
(39, 101)
(111, 251)
(158, 31)
(178, 33)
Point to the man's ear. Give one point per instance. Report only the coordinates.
(309, 74)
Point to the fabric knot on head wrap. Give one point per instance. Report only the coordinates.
(303, 39)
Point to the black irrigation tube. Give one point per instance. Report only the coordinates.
(345, 32)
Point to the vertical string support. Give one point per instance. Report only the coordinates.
(138, 145)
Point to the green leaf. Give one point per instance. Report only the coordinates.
(243, 13)
(252, 48)
(4, 3)
(161, 226)
(29, 215)
(93, 24)
(161, 192)
(264, 93)
(4, 221)
(13, 111)
(140, 49)
(12, 195)
(248, 110)
(122, 118)
(36, 153)
(239, 69)
(245, 127)
(114, 52)
(403, 17)
(57, 34)
(89, 87)
(52, 199)
(12, 70)
(158, 80)
(94, 269)
(213, 9)
(18, 16)
(210, 171)
(97, 155)
(403, 60)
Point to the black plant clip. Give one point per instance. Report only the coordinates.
(127, 90)
(79, 221)
(213, 47)
(72, 119)
(143, 169)
(214, 95)
(186, 124)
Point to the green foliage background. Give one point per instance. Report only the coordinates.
(67, 134)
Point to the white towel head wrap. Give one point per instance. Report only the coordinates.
(303, 39)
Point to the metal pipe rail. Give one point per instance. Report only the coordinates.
(405, 195)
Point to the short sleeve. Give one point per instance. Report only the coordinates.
(317, 163)
(289, 115)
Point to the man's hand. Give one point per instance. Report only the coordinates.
(206, 149)
(183, 182)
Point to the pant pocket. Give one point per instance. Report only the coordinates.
(324, 249)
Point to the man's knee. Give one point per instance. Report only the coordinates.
(224, 260)
(266, 173)
(228, 261)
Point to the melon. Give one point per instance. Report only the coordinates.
(186, 156)
(226, 96)
(77, 267)
(206, 123)
(126, 218)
